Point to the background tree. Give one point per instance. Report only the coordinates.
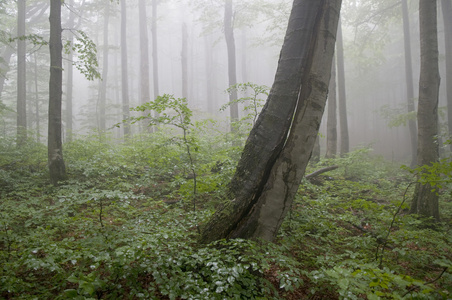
(57, 169)
(409, 81)
(232, 64)
(145, 95)
(21, 74)
(446, 6)
(425, 200)
(124, 68)
(331, 133)
(155, 57)
(343, 120)
(104, 80)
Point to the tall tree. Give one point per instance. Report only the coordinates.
(184, 61)
(409, 81)
(273, 161)
(155, 57)
(232, 65)
(144, 53)
(103, 83)
(425, 200)
(446, 6)
(21, 74)
(124, 68)
(343, 122)
(57, 167)
(70, 76)
(331, 125)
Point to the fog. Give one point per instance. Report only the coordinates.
(373, 49)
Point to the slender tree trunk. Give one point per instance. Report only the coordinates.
(184, 60)
(331, 131)
(124, 69)
(260, 171)
(70, 76)
(21, 75)
(104, 80)
(144, 53)
(211, 104)
(155, 58)
(446, 6)
(38, 119)
(409, 81)
(232, 65)
(425, 201)
(345, 143)
(57, 168)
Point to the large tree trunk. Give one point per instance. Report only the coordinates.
(57, 168)
(409, 81)
(262, 160)
(103, 84)
(343, 122)
(331, 123)
(232, 64)
(124, 69)
(21, 75)
(446, 6)
(425, 201)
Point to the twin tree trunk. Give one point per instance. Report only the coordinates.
(273, 161)
(425, 201)
(57, 168)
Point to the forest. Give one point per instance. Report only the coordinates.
(225, 149)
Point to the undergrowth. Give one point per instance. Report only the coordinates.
(122, 228)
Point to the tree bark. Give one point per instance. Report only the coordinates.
(409, 81)
(425, 201)
(232, 64)
(124, 69)
(343, 122)
(57, 168)
(21, 75)
(263, 154)
(446, 6)
(331, 123)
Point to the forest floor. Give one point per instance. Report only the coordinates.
(124, 226)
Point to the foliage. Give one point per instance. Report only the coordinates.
(118, 228)
(87, 55)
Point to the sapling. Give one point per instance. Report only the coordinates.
(252, 103)
(175, 112)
